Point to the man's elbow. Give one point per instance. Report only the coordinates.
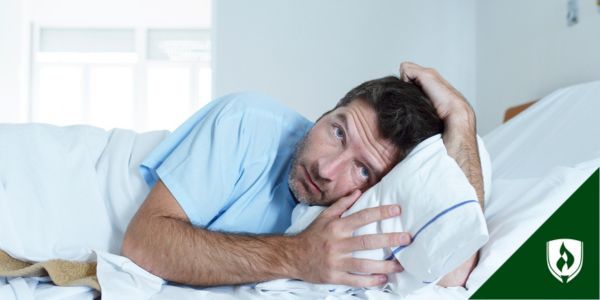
(128, 248)
(459, 276)
(137, 252)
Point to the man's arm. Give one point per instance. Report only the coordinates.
(161, 240)
(460, 139)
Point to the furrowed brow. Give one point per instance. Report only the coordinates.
(344, 120)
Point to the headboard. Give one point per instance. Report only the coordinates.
(512, 111)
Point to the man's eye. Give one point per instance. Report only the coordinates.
(364, 172)
(339, 133)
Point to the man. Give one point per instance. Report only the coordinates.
(221, 185)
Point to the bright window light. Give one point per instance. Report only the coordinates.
(60, 94)
(91, 57)
(169, 96)
(111, 96)
(191, 45)
(107, 77)
(94, 40)
(204, 86)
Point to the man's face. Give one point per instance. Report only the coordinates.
(344, 151)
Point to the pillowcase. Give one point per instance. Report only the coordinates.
(439, 208)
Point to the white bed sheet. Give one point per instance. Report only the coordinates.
(39, 288)
(547, 151)
(122, 279)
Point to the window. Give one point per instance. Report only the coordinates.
(141, 79)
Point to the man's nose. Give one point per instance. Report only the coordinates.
(331, 166)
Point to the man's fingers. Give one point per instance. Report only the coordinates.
(371, 266)
(342, 205)
(362, 280)
(419, 75)
(408, 71)
(370, 215)
(375, 241)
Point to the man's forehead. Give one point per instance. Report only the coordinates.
(363, 118)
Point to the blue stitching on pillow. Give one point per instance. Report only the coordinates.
(428, 223)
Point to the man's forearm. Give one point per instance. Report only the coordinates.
(161, 240)
(460, 139)
(178, 252)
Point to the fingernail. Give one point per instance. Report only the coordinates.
(383, 279)
(394, 210)
(398, 267)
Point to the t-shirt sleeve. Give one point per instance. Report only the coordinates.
(201, 161)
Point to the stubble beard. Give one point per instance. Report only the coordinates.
(293, 182)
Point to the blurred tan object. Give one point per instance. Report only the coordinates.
(512, 111)
(61, 272)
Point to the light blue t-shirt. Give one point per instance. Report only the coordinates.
(228, 164)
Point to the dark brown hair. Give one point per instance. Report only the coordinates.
(405, 115)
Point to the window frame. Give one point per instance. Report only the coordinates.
(139, 67)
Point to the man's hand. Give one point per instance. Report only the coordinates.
(448, 102)
(460, 134)
(460, 139)
(324, 249)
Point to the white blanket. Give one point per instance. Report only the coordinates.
(65, 191)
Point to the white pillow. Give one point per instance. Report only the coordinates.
(439, 209)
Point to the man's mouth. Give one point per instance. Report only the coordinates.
(310, 181)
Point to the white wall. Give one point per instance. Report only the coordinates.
(525, 50)
(310, 53)
(14, 55)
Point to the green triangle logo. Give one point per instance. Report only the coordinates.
(560, 260)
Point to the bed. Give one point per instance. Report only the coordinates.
(544, 152)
